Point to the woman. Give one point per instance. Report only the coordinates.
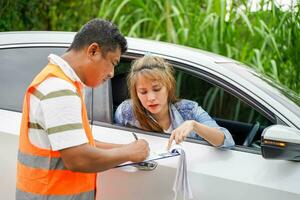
(154, 106)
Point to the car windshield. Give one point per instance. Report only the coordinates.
(285, 96)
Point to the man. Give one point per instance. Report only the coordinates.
(58, 157)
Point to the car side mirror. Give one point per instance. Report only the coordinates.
(281, 142)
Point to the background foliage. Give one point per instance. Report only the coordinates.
(268, 40)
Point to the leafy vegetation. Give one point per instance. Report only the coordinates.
(268, 39)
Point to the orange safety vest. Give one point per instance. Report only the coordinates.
(41, 173)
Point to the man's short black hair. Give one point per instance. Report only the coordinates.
(103, 32)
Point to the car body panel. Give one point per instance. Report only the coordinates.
(209, 168)
(9, 140)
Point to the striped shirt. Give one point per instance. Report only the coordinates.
(55, 111)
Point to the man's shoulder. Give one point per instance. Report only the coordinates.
(54, 84)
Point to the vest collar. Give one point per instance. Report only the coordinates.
(65, 67)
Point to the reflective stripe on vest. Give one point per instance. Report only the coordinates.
(41, 173)
(40, 162)
(82, 196)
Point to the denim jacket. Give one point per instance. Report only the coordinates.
(179, 112)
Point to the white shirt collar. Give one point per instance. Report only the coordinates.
(65, 67)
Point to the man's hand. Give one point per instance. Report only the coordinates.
(181, 132)
(85, 158)
(139, 150)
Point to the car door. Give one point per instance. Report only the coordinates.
(237, 173)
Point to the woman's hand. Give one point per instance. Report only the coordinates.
(180, 133)
(212, 135)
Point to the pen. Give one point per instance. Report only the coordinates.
(135, 136)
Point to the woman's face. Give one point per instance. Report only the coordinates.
(152, 94)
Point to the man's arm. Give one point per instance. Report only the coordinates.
(105, 145)
(85, 158)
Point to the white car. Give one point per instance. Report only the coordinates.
(264, 120)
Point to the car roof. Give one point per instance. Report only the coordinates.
(31, 37)
(217, 64)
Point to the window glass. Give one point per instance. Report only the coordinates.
(230, 112)
(18, 68)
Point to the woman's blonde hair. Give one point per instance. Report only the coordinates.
(156, 69)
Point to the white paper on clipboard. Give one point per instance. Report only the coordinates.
(155, 155)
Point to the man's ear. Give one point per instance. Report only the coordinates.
(93, 49)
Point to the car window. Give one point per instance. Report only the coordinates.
(215, 100)
(18, 68)
(228, 111)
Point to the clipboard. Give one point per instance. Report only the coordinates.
(155, 155)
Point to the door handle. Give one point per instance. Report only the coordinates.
(146, 166)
